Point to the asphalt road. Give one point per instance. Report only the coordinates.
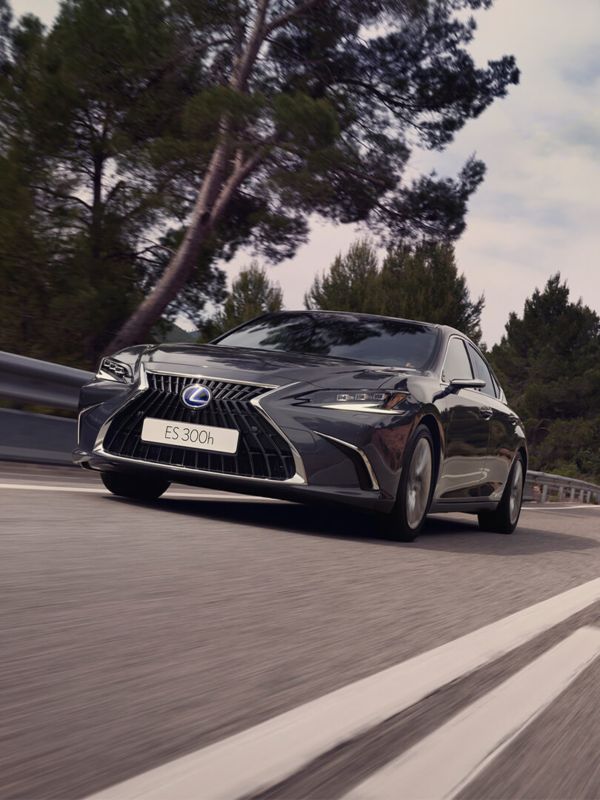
(133, 634)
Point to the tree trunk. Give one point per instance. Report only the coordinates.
(181, 265)
(215, 194)
(97, 210)
(213, 201)
(215, 190)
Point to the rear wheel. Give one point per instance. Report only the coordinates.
(506, 517)
(415, 489)
(146, 487)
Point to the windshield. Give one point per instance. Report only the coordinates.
(372, 340)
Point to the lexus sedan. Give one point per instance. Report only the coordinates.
(397, 417)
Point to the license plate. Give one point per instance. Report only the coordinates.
(185, 434)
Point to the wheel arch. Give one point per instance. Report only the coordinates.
(522, 451)
(433, 425)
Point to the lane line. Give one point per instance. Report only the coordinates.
(559, 508)
(39, 487)
(265, 754)
(443, 763)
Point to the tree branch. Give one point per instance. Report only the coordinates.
(234, 181)
(283, 19)
(60, 196)
(244, 64)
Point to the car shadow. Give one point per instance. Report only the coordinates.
(449, 533)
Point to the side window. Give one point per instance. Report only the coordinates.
(498, 388)
(457, 364)
(482, 371)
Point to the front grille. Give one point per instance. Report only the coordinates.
(262, 451)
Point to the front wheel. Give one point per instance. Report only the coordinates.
(146, 487)
(415, 489)
(506, 516)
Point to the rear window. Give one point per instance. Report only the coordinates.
(372, 340)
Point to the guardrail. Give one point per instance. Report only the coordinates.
(40, 437)
(542, 487)
(40, 383)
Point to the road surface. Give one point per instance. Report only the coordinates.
(135, 637)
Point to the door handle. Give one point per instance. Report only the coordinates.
(486, 412)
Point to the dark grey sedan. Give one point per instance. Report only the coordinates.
(397, 417)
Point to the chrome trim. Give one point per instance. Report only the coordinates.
(358, 451)
(295, 479)
(141, 387)
(101, 375)
(200, 376)
(360, 408)
(298, 478)
(79, 416)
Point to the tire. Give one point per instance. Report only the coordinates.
(506, 516)
(146, 487)
(416, 487)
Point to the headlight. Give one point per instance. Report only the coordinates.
(113, 369)
(379, 402)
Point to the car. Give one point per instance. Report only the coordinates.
(397, 417)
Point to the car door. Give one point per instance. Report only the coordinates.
(503, 436)
(466, 424)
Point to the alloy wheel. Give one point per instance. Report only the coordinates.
(516, 492)
(418, 485)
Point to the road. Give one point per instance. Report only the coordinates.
(133, 635)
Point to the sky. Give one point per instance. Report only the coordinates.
(538, 210)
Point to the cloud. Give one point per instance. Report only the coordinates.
(583, 68)
(538, 209)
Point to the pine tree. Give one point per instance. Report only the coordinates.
(252, 294)
(423, 283)
(420, 282)
(351, 284)
(302, 113)
(549, 364)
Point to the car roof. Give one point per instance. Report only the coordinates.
(324, 312)
(446, 330)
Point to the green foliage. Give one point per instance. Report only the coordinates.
(351, 284)
(423, 283)
(420, 282)
(109, 121)
(90, 118)
(252, 294)
(549, 364)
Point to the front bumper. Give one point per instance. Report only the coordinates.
(282, 490)
(346, 457)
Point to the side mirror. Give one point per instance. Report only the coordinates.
(466, 383)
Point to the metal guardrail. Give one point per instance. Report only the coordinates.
(543, 487)
(39, 437)
(40, 383)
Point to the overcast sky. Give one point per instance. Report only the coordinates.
(538, 210)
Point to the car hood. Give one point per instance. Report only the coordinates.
(267, 367)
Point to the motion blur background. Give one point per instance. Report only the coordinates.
(170, 168)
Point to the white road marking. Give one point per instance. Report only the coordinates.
(559, 508)
(443, 763)
(50, 487)
(40, 487)
(265, 754)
